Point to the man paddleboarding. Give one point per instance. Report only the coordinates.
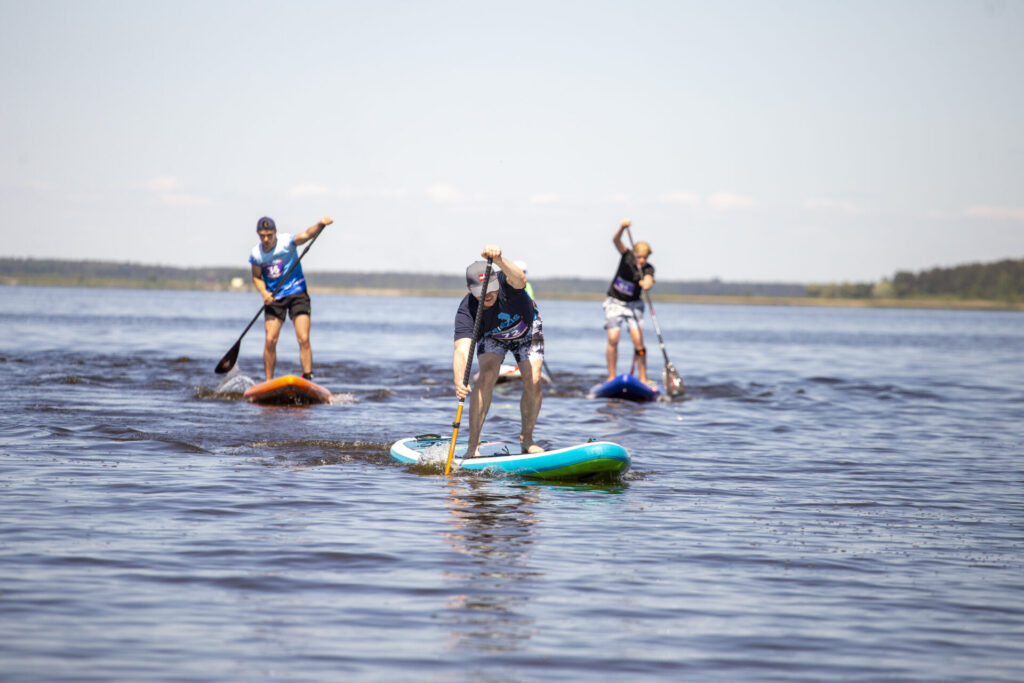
(623, 304)
(511, 324)
(272, 259)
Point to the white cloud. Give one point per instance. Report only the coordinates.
(546, 198)
(164, 183)
(307, 190)
(184, 199)
(32, 186)
(831, 205)
(618, 198)
(1015, 213)
(169, 190)
(443, 194)
(728, 201)
(681, 197)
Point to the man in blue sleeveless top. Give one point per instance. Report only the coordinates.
(623, 304)
(271, 261)
(510, 323)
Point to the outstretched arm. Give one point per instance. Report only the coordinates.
(617, 240)
(514, 275)
(312, 230)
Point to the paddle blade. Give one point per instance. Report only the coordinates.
(228, 361)
(673, 382)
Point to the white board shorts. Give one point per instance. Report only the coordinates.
(617, 312)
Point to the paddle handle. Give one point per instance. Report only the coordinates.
(477, 324)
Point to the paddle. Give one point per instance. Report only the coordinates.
(228, 361)
(477, 321)
(544, 362)
(673, 382)
(551, 375)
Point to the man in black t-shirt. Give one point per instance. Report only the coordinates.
(511, 323)
(623, 304)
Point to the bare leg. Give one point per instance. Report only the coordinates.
(480, 400)
(301, 323)
(612, 351)
(637, 336)
(273, 328)
(529, 405)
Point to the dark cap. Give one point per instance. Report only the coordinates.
(265, 224)
(475, 278)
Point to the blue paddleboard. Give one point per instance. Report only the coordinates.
(573, 462)
(627, 387)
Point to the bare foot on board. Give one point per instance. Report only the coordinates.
(530, 447)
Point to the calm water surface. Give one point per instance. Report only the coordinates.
(839, 496)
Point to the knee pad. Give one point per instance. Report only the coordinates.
(640, 351)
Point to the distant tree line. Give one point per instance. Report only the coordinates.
(417, 281)
(999, 281)
(844, 290)
(114, 274)
(713, 287)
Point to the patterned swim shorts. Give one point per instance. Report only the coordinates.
(526, 348)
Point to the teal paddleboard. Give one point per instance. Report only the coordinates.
(580, 461)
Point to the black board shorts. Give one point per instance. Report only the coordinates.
(294, 304)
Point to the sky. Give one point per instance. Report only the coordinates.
(768, 141)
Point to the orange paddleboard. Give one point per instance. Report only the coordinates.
(288, 390)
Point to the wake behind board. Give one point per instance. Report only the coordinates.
(288, 390)
(573, 462)
(626, 387)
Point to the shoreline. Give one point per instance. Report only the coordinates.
(753, 300)
(953, 304)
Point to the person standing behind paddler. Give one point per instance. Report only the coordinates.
(528, 287)
(271, 260)
(511, 323)
(623, 304)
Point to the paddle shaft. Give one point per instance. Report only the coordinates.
(477, 323)
(228, 361)
(544, 364)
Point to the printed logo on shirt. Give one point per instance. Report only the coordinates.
(509, 327)
(624, 286)
(273, 270)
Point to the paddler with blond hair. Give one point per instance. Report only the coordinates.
(624, 304)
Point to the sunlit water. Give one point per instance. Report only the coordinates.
(840, 496)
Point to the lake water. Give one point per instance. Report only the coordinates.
(839, 496)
